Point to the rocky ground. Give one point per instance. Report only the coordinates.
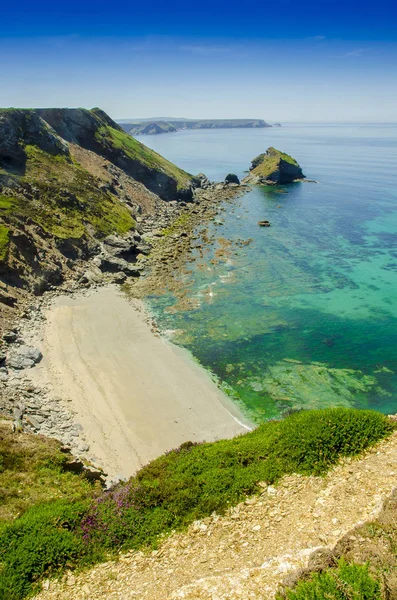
(144, 259)
(262, 543)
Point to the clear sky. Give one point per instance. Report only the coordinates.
(281, 60)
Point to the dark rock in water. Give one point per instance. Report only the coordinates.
(232, 178)
(274, 167)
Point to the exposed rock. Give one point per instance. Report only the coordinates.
(119, 277)
(232, 178)
(274, 167)
(114, 264)
(203, 180)
(10, 336)
(96, 131)
(24, 357)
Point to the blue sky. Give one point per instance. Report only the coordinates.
(281, 60)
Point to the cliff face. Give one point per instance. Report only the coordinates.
(68, 179)
(94, 130)
(274, 167)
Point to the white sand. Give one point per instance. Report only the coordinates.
(135, 395)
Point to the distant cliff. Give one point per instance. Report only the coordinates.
(155, 127)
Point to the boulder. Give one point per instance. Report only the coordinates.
(232, 178)
(114, 264)
(203, 181)
(24, 357)
(274, 167)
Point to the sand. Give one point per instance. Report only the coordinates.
(135, 394)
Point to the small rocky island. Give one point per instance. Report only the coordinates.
(273, 167)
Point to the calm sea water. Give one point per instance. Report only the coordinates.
(302, 314)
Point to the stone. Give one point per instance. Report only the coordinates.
(24, 357)
(114, 264)
(232, 178)
(119, 277)
(32, 422)
(10, 336)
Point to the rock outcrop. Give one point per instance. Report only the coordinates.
(273, 167)
(232, 178)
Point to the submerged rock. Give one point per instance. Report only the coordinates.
(274, 167)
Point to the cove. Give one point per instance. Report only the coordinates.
(302, 314)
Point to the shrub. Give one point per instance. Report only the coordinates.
(183, 485)
(346, 582)
(45, 540)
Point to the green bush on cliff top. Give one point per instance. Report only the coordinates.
(175, 489)
(346, 582)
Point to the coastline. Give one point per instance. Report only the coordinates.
(49, 398)
(134, 395)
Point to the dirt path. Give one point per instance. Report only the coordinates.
(249, 551)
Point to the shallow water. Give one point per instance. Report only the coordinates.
(305, 314)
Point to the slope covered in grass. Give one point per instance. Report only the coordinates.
(275, 166)
(33, 471)
(175, 489)
(145, 156)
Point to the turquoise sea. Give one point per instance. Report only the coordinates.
(302, 314)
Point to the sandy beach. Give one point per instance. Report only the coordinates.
(135, 394)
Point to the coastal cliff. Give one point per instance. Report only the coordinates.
(273, 167)
(152, 127)
(69, 178)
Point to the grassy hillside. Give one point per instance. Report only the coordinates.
(94, 130)
(140, 153)
(33, 471)
(265, 164)
(174, 490)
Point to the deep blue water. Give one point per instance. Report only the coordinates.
(305, 314)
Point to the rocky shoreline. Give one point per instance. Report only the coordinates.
(144, 260)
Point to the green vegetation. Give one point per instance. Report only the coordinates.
(265, 164)
(7, 204)
(4, 242)
(68, 201)
(179, 223)
(33, 471)
(175, 489)
(107, 135)
(346, 582)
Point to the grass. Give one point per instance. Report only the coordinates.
(138, 152)
(32, 471)
(4, 242)
(69, 202)
(265, 164)
(174, 490)
(345, 582)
